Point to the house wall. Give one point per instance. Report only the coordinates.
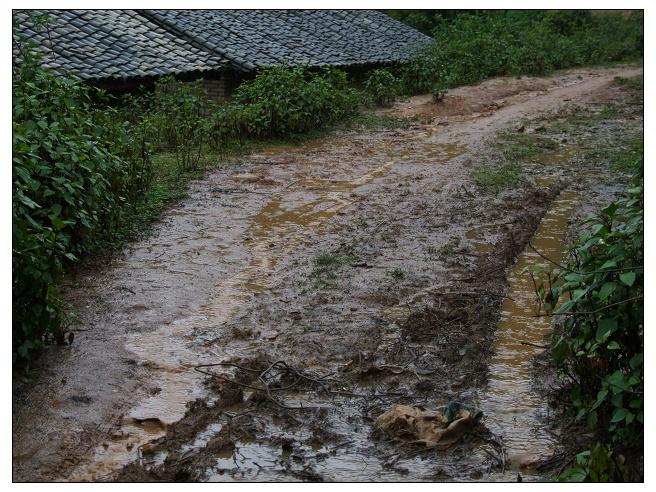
(216, 89)
(220, 86)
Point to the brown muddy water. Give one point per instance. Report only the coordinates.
(513, 409)
(286, 219)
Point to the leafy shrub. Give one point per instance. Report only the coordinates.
(284, 101)
(438, 92)
(382, 87)
(601, 349)
(471, 46)
(178, 112)
(68, 188)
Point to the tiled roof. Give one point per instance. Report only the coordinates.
(97, 44)
(256, 38)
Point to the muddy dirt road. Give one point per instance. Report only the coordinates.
(322, 284)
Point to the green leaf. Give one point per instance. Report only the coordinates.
(565, 306)
(598, 228)
(613, 345)
(561, 351)
(605, 327)
(609, 264)
(636, 360)
(619, 414)
(628, 278)
(607, 289)
(574, 277)
(601, 396)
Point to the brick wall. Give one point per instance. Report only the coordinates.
(216, 89)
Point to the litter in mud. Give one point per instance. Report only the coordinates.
(417, 426)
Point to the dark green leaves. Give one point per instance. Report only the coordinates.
(68, 176)
(602, 344)
(628, 278)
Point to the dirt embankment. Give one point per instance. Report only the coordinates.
(342, 276)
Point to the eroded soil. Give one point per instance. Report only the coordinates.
(317, 286)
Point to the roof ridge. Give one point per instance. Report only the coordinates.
(158, 19)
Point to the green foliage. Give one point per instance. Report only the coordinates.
(472, 46)
(178, 113)
(423, 20)
(635, 83)
(521, 146)
(438, 91)
(68, 189)
(595, 465)
(601, 348)
(284, 101)
(326, 265)
(497, 179)
(382, 87)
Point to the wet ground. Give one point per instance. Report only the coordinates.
(302, 291)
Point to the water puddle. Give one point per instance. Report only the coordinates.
(563, 156)
(433, 153)
(476, 237)
(513, 410)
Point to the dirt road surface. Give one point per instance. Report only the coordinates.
(343, 276)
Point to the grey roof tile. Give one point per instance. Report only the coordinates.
(97, 44)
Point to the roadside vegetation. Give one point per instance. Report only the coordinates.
(599, 347)
(472, 46)
(91, 171)
(596, 295)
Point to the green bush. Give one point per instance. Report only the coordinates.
(284, 101)
(68, 189)
(472, 46)
(382, 87)
(178, 112)
(601, 348)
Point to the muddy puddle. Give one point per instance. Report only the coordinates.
(432, 152)
(341, 442)
(513, 409)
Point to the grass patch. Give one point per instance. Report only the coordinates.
(522, 146)
(635, 83)
(497, 179)
(629, 159)
(326, 267)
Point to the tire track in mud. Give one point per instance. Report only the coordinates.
(218, 282)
